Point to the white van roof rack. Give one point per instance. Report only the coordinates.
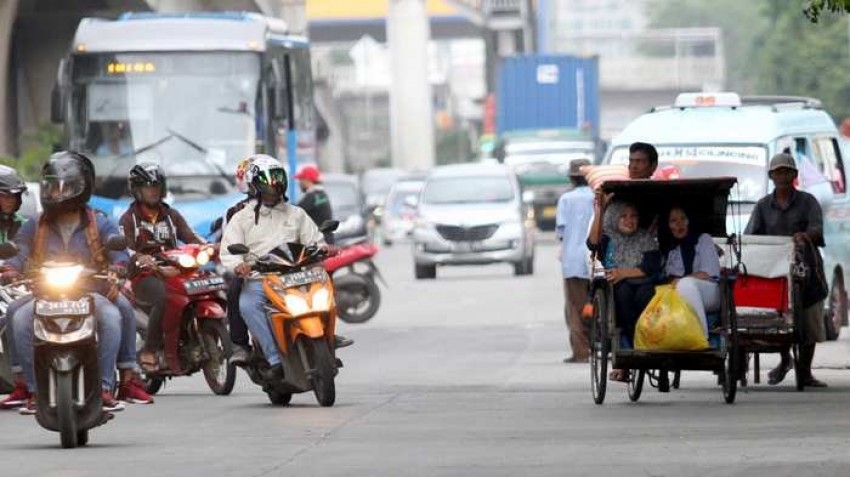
(804, 102)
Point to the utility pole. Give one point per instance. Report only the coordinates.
(411, 107)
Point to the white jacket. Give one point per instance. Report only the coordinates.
(276, 226)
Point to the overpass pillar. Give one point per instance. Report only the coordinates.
(8, 12)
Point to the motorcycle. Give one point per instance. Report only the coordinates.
(65, 342)
(357, 294)
(302, 314)
(195, 337)
(8, 294)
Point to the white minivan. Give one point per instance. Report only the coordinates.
(723, 134)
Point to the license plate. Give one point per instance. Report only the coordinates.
(63, 308)
(467, 246)
(550, 212)
(303, 277)
(204, 285)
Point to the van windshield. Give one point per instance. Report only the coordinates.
(467, 189)
(747, 163)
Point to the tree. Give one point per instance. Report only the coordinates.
(741, 22)
(814, 8)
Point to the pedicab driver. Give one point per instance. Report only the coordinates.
(790, 212)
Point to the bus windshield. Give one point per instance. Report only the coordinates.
(191, 113)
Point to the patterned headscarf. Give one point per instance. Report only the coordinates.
(628, 249)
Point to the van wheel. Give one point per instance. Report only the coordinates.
(836, 313)
(425, 272)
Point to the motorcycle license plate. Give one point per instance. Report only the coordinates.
(204, 285)
(303, 277)
(80, 307)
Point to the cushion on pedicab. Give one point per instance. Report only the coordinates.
(759, 292)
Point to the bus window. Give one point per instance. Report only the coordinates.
(828, 158)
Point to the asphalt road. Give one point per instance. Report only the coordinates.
(461, 376)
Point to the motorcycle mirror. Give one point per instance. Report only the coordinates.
(116, 243)
(238, 249)
(329, 226)
(216, 225)
(8, 250)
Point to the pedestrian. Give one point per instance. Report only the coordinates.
(575, 209)
(794, 213)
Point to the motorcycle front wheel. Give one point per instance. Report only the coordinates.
(68, 435)
(219, 374)
(322, 377)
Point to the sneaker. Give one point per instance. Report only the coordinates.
(29, 408)
(240, 356)
(134, 392)
(110, 404)
(341, 341)
(17, 398)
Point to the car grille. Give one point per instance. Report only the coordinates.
(467, 234)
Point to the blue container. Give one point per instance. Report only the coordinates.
(538, 92)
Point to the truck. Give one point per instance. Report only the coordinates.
(547, 114)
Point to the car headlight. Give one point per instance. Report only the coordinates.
(187, 261)
(296, 304)
(61, 277)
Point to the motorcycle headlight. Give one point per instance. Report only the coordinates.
(322, 300)
(61, 277)
(203, 258)
(187, 261)
(296, 304)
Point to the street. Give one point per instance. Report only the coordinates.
(462, 376)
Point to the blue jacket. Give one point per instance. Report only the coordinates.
(77, 249)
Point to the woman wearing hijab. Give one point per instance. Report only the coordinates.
(694, 266)
(632, 261)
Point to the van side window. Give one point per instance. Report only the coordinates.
(828, 158)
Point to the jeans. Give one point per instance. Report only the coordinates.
(127, 349)
(252, 302)
(150, 292)
(108, 319)
(238, 329)
(10, 337)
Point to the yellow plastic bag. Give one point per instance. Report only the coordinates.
(668, 323)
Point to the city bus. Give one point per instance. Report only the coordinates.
(193, 92)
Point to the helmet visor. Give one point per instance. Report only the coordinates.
(271, 181)
(55, 189)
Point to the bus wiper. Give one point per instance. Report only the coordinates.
(221, 172)
(134, 153)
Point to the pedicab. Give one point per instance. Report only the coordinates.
(768, 274)
(706, 201)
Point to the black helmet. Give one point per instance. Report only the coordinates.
(66, 182)
(145, 175)
(12, 183)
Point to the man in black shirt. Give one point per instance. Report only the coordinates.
(315, 200)
(790, 212)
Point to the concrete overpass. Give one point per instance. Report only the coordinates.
(36, 34)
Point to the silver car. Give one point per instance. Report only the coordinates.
(472, 214)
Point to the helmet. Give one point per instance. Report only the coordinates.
(12, 183)
(243, 176)
(144, 175)
(308, 172)
(66, 182)
(267, 175)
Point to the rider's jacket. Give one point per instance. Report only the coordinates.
(152, 234)
(41, 240)
(10, 226)
(273, 227)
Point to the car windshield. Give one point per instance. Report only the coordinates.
(399, 198)
(344, 197)
(191, 113)
(747, 163)
(468, 189)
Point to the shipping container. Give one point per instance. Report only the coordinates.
(548, 92)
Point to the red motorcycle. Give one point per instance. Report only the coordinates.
(357, 295)
(195, 337)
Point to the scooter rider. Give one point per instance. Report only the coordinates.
(12, 189)
(151, 226)
(265, 223)
(69, 227)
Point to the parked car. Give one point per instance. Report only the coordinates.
(347, 204)
(472, 214)
(400, 209)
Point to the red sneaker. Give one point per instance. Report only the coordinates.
(110, 404)
(29, 408)
(17, 398)
(134, 392)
